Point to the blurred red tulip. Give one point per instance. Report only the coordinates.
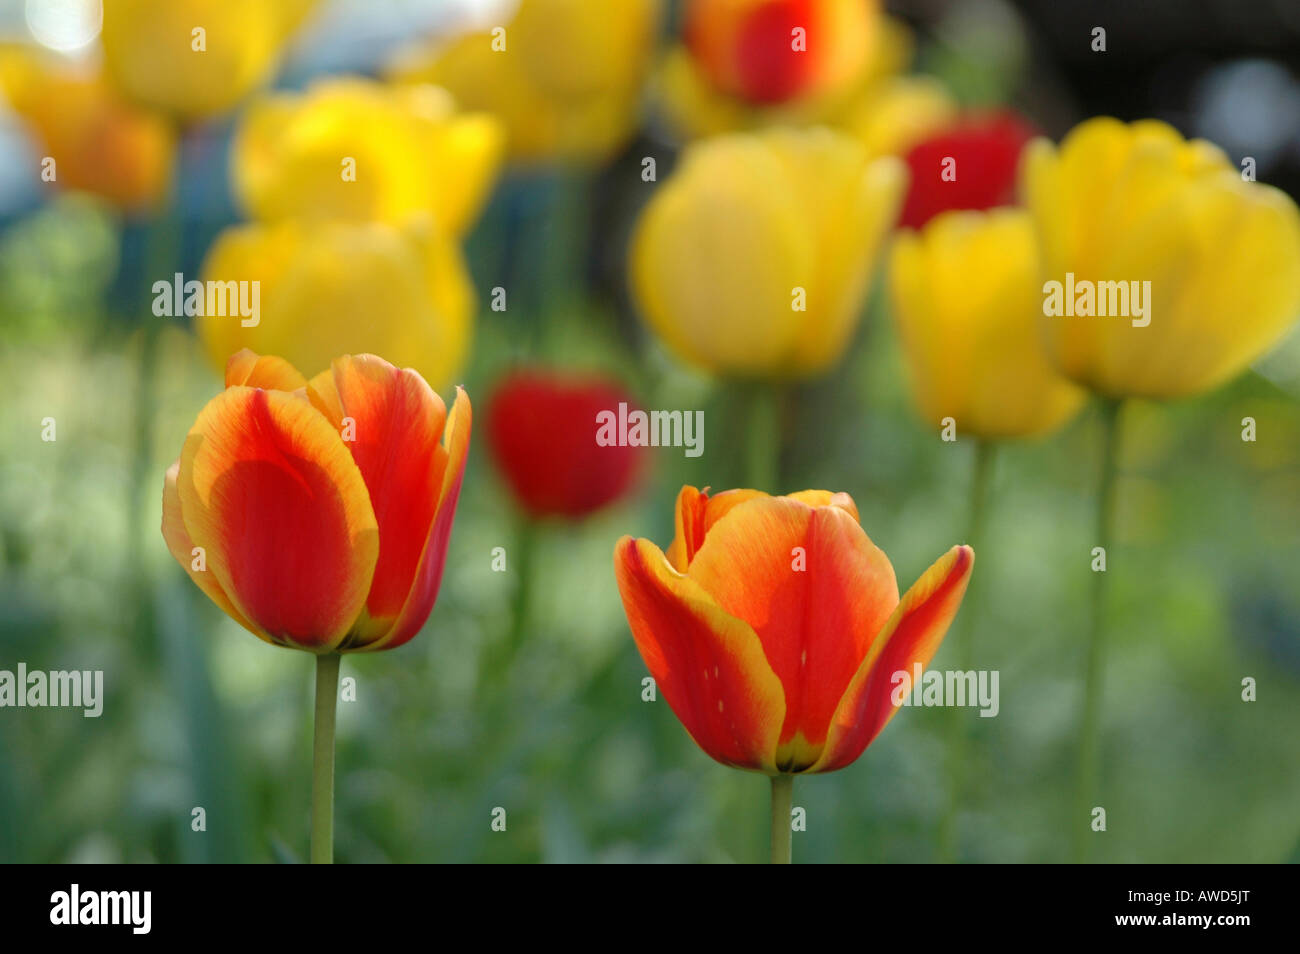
(541, 431)
(985, 152)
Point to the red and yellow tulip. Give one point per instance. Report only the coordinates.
(773, 625)
(316, 513)
(771, 51)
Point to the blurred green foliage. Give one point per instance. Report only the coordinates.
(447, 728)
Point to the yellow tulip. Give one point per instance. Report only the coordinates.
(965, 297)
(355, 149)
(195, 58)
(99, 142)
(755, 257)
(564, 76)
(896, 114)
(340, 287)
(1135, 203)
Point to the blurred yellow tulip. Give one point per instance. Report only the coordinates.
(1136, 202)
(355, 149)
(564, 76)
(344, 288)
(98, 142)
(894, 115)
(755, 257)
(195, 58)
(965, 295)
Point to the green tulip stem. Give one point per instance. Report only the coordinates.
(964, 637)
(1086, 786)
(162, 249)
(763, 449)
(322, 765)
(521, 604)
(782, 804)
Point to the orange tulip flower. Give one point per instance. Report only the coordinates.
(773, 625)
(317, 513)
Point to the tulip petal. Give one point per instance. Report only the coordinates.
(270, 492)
(716, 255)
(252, 370)
(826, 498)
(696, 513)
(182, 548)
(391, 422)
(815, 589)
(708, 664)
(320, 287)
(911, 635)
(423, 593)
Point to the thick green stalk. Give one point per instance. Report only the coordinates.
(1086, 784)
(964, 637)
(782, 804)
(763, 447)
(322, 765)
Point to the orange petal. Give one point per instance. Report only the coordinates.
(709, 665)
(253, 370)
(825, 498)
(696, 513)
(391, 422)
(182, 548)
(911, 636)
(323, 394)
(270, 492)
(428, 574)
(815, 589)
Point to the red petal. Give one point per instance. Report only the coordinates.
(815, 623)
(433, 554)
(268, 489)
(911, 636)
(391, 422)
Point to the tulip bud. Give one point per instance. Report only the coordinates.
(94, 140)
(771, 51)
(195, 58)
(969, 165)
(1125, 204)
(323, 508)
(755, 257)
(354, 149)
(541, 431)
(965, 296)
(771, 663)
(340, 287)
